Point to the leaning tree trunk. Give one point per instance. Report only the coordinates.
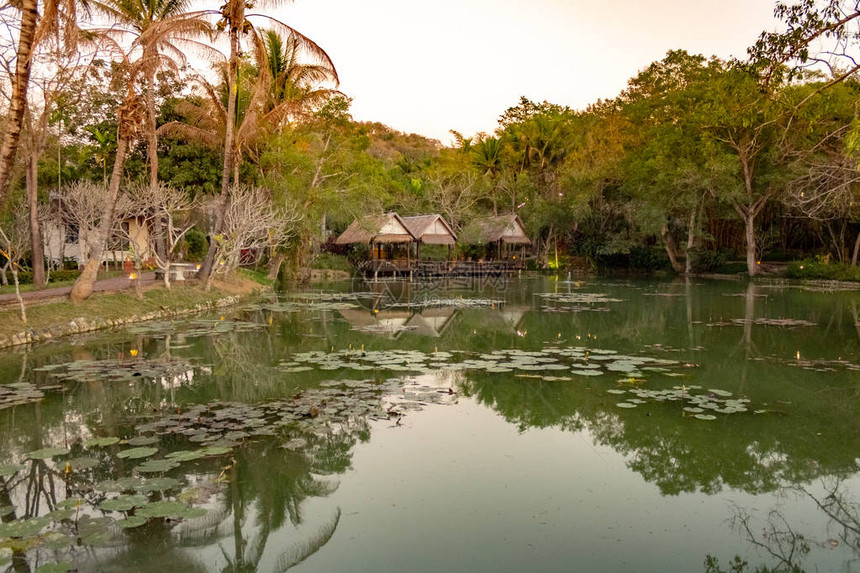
(206, 269)
(20, 82)
(669, 245)
(83, 287)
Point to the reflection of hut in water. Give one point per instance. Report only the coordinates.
(430, 230)
(431, 321)
(388, 239)
(502, 237)
(390, 323)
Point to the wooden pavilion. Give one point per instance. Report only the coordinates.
(504, 236)
(389, 240)
(430, 230)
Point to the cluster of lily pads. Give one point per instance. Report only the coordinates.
(699, 404)
(115, 369)
(577, 360)
(458, 303)
(575, 302)
(107, 507)
(19, 393)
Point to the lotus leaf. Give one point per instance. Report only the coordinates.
(157, 466)
(124, 503)
(157, 484)
(162, 509)
(10, 469)
(47, 453)
(100, 442)
(143, 441)
(137, 453)
(131, 522)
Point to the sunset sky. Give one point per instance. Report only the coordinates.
(428, 67)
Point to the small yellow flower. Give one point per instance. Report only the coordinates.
(133, 351)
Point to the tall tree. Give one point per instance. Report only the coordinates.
(239, 25)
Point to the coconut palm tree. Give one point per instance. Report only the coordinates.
(163, 28)
(239, 26)
(56, 14)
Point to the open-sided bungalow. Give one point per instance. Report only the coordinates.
(504, 236)
(389, 239)
(430, 230)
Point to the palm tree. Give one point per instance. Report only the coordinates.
(239, 25)
(130, 115)
(56, 14)
(162, 28)
(295, 84)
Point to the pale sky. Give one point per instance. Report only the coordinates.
(427, 67)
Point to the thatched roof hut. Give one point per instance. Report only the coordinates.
(378, 229)
(430, 229)
(503, 229)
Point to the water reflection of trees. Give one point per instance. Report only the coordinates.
(754, 453)
(787, 545)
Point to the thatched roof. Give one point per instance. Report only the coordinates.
(505, 228)
(388, 228)
(430, 229)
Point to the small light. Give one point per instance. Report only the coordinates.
(133, 351)
(801, 266)
(198, 267)
(132, 276)
(758, 262)
(797, 356)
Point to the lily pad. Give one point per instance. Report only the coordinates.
(705, 417)
(185, 455)
(131, 522)
(47, 453)
(625, 405)
(137, 453)
(162, 509)
(124, 503)
(100, 442)
(193, 513)
(157, 466)
(11, 469)
(143, 441)
(215, 451)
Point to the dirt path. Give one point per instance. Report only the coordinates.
(116, 284)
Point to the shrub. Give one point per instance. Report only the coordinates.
(330, 261)
(822, 269)
(195, 245)
(705, 260)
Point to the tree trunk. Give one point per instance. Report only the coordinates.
(749, 232)
(669, 244)
(20, 82)
(21, 307)
(856, 250)
(691, 241)
(206, 269)
(83, 287)
(36, 244)
(275, 266)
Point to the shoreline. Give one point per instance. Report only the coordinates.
(57, 319)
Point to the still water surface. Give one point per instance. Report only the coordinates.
(540, 425)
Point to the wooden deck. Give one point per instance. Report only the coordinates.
(401, 268)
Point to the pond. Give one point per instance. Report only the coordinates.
(532, 424)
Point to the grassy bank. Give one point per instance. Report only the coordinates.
(54, 317)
